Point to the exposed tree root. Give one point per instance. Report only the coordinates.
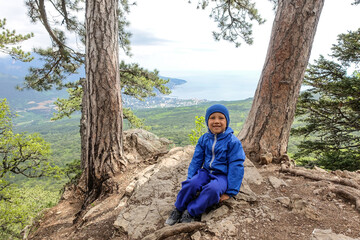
(345, 188)
(174, 230)
(341, 181)
(349, 195)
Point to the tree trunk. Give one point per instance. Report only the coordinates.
(102, 149)
(267, 128)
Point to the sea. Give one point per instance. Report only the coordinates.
(217, 86)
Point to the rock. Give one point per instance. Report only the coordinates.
(327, 234)
(122, 203)
(141, 145)
(246, 193)
(317, 191)
(235, 203)
(276, 183)
(283, 200)
(251, 175)
(228, 228)
(196, 236)
(220, 212)
(154, 194)
(130, 188)
(266, 158)
(297, 203)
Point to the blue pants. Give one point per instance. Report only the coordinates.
(210, 186)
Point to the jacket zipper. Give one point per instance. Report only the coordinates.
(213, 152)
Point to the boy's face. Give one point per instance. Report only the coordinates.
(217, 123)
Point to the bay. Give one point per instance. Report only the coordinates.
(217, 86)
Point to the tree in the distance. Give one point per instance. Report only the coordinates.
(330, 109)
(21, 153)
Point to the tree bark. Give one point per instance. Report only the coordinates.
(267, 127)
(102, 149)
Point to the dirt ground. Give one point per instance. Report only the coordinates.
(269, 217)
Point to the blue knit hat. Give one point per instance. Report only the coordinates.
(217, 108)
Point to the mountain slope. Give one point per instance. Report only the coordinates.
(273, 203)
(12, 74)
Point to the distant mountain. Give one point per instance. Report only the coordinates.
(173, 82)
(12, 73)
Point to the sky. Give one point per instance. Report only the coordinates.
(176, 38)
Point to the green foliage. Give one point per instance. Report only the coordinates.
(64, 137)
(330, 109)
(19, 206)
(135, 81)
(8, 37)
(234, 19)
(20, 153)
(27, 155)
(133, 120)
(73, 171)
(346, 51)
(200, 129)
(140, 83)
(67, 106)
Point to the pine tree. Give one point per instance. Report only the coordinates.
(9, 37)
(21, 153)
(330, 109)
(62, 60)
(267, 127)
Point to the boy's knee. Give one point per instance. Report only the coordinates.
(212, 192)
(189, 184)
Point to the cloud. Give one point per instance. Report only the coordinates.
(143, 38)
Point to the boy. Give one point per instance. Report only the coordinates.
(216, 169)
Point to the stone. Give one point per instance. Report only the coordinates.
(228, 227)
(220, 212)
(283, 200)
(130, 188)
(297, 204)
(251, 174)
(196, 236)
(154, 195)
(327, 234)
(246, 193)
(141, 145)
(276, 183)
(266, 158)
(122, 203)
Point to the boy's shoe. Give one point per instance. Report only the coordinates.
(174, 217)
(186, 217)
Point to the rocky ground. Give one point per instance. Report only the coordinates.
(275, 202)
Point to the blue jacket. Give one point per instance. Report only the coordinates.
(220, 153)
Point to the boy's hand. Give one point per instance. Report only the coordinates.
(224, 197)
